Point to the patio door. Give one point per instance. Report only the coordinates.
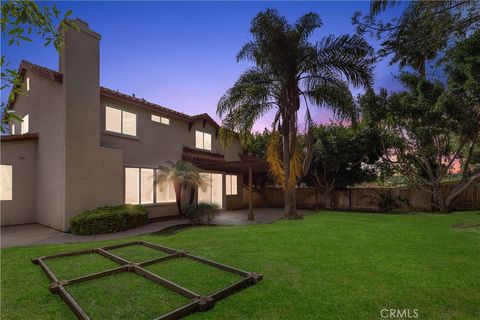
(213, 193)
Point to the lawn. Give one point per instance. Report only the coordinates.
(330, 265)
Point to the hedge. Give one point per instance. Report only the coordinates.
(109, 219)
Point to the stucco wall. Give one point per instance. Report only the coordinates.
(22, 156)
(44, 104)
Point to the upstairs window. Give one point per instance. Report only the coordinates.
(203, 140)
(6, 180)
(160, 119)
(231, 188)
(120, 121)
(28, 84)
(25, 125)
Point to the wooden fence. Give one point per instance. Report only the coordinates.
(401, 199)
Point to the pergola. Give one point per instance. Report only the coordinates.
(248, 164)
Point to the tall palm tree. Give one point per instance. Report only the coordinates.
(289, 69)
(183, 175)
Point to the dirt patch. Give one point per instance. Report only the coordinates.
(177, 228)
(465, 225)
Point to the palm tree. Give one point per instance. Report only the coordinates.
(183, 175)
(289, 69)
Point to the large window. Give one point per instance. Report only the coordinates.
(25, 124)
(213, 192)
(141, 187)
(231, 185)
(120, 121)
(6, 182)
(203, 140)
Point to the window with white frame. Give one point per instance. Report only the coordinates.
(141, 187)
(160, 119)
(203, 140)
(120, 121)
(25, 124)
(12, 129)
(28, 84)
(231, 188)
(6, 182)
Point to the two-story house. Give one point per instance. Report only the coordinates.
(81, 146)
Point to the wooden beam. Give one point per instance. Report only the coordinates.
(250, 193)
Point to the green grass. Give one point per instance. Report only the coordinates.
(198, 277)
(331, 265)
(125, 296)
(68, 267)
(138, 253)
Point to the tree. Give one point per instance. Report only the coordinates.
(421, 32)
(288, 69)
(343, 156)
(429, 131)
(183, 175)
(20, 19)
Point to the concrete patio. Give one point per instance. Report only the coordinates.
(35, 234)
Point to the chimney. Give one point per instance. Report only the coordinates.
(80, 66)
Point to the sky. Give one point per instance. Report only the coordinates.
(181, 55)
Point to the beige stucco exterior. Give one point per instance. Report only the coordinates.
(75, 164)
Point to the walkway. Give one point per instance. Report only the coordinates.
(35, 234)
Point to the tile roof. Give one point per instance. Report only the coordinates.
(58, 77)
(18, 137)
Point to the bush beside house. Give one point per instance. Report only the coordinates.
(200, 213)
(109, 219)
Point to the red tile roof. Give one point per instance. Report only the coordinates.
(17, 137)
(57, 76)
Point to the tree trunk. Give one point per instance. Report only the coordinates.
(439, 200)
(328, 195)
(178, 196)
(192, 195)
(290, 210)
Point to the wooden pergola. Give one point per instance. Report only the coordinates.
(248, 164)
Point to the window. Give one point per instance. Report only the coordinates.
(203, 140)
(231, 185)
(165, 192)
(12, 129)
(6, 182)
(28, 84)
(120, 121)
(213, 192)
(146, 188)
(25, 124)
(141, 187)
(132, 185)
(161, 119)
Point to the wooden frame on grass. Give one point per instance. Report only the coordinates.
(197, 302)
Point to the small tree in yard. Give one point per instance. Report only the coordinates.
(183, 175)
(343, 156)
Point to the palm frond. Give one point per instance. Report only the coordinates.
(273, 155)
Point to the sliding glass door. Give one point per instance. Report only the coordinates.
(213, 193)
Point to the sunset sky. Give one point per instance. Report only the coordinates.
(182, 55)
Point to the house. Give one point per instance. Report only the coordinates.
(82, 146)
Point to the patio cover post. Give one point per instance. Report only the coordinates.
(250, 193)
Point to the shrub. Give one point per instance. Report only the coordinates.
(200, 213)
(109, 219)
